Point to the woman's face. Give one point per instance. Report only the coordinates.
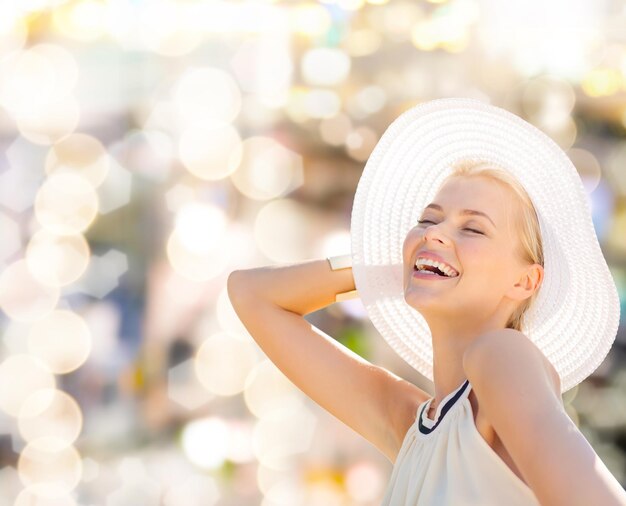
(482, 249)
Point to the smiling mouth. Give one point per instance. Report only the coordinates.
(429, 275)
(433, 272)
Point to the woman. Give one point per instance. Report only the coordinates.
(492, 206)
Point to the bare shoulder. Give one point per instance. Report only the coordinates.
(518, 394)
(509, 357)
(523, 355)
(512, 382)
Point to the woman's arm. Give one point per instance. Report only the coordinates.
(271, 303)
(301, 288)
(515, 392)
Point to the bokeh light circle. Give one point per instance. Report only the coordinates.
(62, 340)
(222, 364)
(201, 227)
(79, 153)
(44, 495)
(207, 93)
(201, 258)
(26, 375)
(206, 442)
(268, 169)
(50, 122)
(13, 34)
(22, 296)
(66, 204)
(50, 417)
(210, 150)
(39, 464)
(57, 260)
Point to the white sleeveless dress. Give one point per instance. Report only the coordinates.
(446, 462)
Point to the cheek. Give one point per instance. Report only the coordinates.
(490, 273)
(471, 255)
(480, 263)
(410, 243)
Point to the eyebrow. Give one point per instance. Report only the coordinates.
(463, 211)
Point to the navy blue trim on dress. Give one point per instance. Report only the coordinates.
(427, 430)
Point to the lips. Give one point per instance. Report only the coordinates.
(434, 277)
(433, 256)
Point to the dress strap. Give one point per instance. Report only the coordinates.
(427, 425)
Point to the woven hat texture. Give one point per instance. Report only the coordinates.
(575, 316)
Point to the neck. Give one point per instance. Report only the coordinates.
(449, 346)
(448, 373)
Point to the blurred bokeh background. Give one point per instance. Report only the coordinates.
(150, 147)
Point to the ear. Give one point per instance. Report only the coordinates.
(529, 282)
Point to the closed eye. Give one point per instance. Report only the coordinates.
(470, 229)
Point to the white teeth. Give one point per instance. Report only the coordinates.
(421, 262)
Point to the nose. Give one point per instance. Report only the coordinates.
(434, 233)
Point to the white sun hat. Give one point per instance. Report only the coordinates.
(574, 318)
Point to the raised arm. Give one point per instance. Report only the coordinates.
(272, 301)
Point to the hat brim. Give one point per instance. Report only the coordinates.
(575, 316)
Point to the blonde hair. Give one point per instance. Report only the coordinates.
(531, 245)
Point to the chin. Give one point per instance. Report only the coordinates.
(421, 301)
